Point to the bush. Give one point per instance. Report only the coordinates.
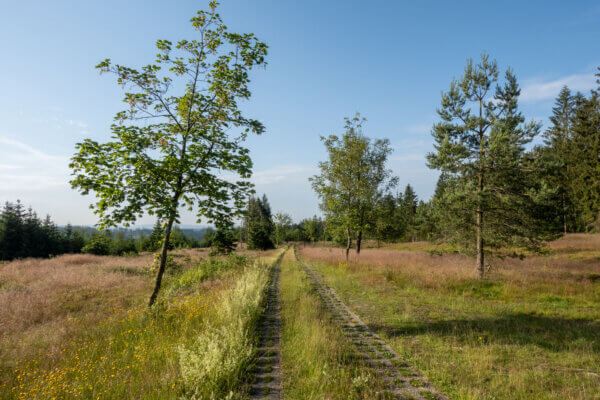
(119, 247)
(98, 244)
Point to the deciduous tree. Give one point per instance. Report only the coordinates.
(352, 181)
(181, 130)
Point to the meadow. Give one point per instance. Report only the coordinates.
(77, 326)
(531, 330)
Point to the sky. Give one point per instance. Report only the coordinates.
(388, 60)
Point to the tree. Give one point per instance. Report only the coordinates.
(558, 138)
(386, 227)
(313, 228)
(408, 205)
(223, 241)
(154, 240)
(283, 225)
(259, 224)
(480, 142)
(352, 180)
(585, 176)
(11, 231)
(99, 244)
(170, 146)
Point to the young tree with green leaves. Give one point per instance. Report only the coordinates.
(352, 180)
(480, 143)
(282, 227)
(171, 145)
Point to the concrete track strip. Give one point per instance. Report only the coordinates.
(267, 372)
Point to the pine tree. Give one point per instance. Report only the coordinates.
(259, 224)
(586, 149)
(559, 140)
(223, 242)
(11, 231)
(409, 210)
(480, 143)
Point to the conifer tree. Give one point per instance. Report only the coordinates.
(559, 140)
(480, 142)
(409, 205)
(585, 151)
(259, 224)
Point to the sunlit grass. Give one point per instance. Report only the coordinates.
(133, 353)
(530, 331)
(318, 362)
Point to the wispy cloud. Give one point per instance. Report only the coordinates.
(281, 173)
(26, 168)
(22, 147)
(538, 89)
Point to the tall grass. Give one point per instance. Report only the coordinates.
(130, 353)
(318, 361)
(213, 366)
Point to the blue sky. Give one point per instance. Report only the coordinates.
(390, 60)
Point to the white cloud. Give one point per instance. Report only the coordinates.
(12, 145)
(26, 168)
(9, 166)
(281, 173)
(537, 89)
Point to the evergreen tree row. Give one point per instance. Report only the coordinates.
(23, 234)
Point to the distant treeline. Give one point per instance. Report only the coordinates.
(23, 234)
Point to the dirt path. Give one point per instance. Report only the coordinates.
(267, 383)
(403, 381)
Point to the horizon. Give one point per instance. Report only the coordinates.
(354, 58)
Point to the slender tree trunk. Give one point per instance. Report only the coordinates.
(564, 207)
(163, 261)
(480, 254)
(348, 244)
(358, 242)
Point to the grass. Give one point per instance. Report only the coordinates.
(530, 331)
(216, 363)
(318, 362)
(112, 346)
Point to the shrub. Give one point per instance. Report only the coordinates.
(98, 244)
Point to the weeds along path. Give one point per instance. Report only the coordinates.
(403, 381)
(267, 383)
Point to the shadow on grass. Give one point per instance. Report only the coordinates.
(551, 333)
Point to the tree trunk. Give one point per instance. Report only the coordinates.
(163, 262)
(480, 258)
(564, 207)
(358, 242)
(348, 244)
